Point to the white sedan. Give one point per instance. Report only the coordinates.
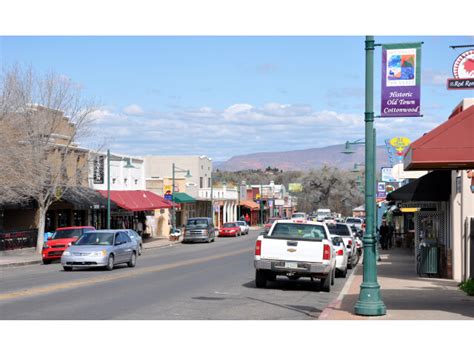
(341, 255)
(244, 227)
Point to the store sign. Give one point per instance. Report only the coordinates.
(295, 187)
(381, 193)
(400, 144)
(99, 170)
(279, 202)
(401, 74)
(463, 71)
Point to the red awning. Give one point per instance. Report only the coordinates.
(250, 204)
(137, 200)
(448, 146)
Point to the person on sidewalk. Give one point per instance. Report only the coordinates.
(384, 230)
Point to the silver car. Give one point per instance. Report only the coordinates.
(136, 238)
(101, 248)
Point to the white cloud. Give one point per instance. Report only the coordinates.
(133, 110)
(244, 128)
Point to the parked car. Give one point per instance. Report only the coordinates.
(231, 229)
(244, 227)
(199, 229)
(101, 248)
(355, 221)
(343, 230)
(295, 250)
(136, 238)
(299, 217)
(63, 237)
(269, 224)
(341, 255)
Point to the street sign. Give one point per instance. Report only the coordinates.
(168, 197)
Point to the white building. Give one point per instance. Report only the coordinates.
(126, 172)
(224, 203)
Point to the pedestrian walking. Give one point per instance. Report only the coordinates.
(384, 231)
(247, 219)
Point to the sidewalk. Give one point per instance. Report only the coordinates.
(405, 295)
(28, 256)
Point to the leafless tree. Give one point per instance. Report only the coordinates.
(41, 119)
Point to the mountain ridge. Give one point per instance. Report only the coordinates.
(303, 159)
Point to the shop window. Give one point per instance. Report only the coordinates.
(209, 182)
(136, 181)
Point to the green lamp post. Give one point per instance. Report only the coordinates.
(370, 302)
(173, 213)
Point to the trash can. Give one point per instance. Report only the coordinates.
(428, 260)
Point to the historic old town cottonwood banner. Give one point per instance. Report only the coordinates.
(401, 80)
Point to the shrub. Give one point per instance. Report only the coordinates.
(468, 287)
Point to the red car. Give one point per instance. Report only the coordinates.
(269, 224)
(53, 248)
(230, 230)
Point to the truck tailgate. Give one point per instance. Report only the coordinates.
(292, 250)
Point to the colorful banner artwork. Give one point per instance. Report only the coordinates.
(401, 68)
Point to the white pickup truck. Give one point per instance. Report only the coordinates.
(295, 249)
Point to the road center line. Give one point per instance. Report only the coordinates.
(37, 291)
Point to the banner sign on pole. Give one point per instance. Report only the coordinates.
(401, 74)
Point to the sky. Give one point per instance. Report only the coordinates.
(222, 96)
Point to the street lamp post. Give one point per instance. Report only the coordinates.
(212, 201)
(261, 204)
(370, 302)
(173, 213)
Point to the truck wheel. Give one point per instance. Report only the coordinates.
(333, 276)
(326, 284)
(344, 273)
(349, 264)
(271, 276)
(260, 279)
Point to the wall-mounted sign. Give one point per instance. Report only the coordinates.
(295, 187)
(401, 74)
(463, 71)
(400, 143)
(98, 170)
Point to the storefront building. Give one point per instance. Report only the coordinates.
(448, 218)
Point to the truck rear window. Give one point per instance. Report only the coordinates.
(298, 231)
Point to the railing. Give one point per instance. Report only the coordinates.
(18, 240)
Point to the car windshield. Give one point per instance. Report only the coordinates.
(271, 220)
(353, 220)
(69, 233)
(96, 239)
(197, 223)
(240, 223)
(229, 225)
(338, 229)
(298, 231)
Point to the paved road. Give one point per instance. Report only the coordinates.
(185, 281)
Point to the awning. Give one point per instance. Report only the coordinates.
(137, 200)
(182, 197)
(86, 198)
(448, 146)
(250, 204)
(435, 186)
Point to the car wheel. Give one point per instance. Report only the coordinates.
(344, 273)
(133, 260)
(110, 262)
(47, 261)
(326, 283)
(67, 268)
(260, 279)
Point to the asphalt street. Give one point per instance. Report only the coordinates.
(184, 281)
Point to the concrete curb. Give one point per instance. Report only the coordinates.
(337, 302)
(21, 263)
